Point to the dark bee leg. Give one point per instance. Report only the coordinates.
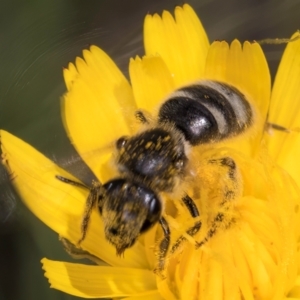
(72, 182)
(270, 126)
(141, 117)
(191, 206)
(194, 212)
(95, 192)
(230, 192)
(211, 232)
(77, 253)
(164, 244)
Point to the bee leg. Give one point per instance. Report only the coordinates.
(164, 244)
(141, 117)
(191, 206)
(230, 192)
(78, 253)
(94, 195)
(194, 212)
(211, 232)
(269, 127)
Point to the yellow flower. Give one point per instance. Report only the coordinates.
(254, 255)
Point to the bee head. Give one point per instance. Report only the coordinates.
(128, 209)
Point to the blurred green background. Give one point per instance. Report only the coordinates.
(39, 38)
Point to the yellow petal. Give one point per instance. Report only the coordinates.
(98, 281)
(182, 43)
(259, 271)
(98, 107)
(59, 205)
(151, 81)
(246, 69)
(70, 73)
(284, 146)
(155, 295)
(295, 292)
(216, 63)
(33, 175)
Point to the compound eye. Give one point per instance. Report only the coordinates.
(121, 142)
(154, 214)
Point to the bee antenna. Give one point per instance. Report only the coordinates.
(72, 182)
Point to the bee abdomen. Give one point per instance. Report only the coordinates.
(207, 112)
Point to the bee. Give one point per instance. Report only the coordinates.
(156, 160)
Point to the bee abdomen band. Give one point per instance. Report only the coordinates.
(207, 112)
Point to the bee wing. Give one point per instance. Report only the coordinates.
(80, 164)
(8, 200)
(283, 136)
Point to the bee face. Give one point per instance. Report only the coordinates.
(156, 160)
(128, 209)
